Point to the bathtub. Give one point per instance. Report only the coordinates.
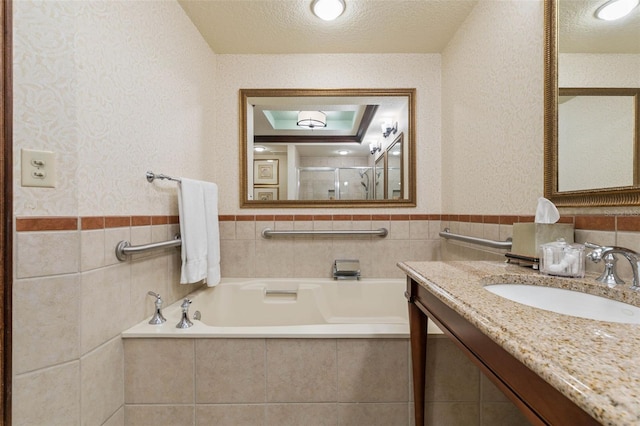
(289, 308)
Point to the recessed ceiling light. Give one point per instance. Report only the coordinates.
(327, 10)
(343, 152)
(616, 9)
(259, 148)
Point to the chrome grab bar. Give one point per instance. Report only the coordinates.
(480, 241)
(382, 232)
(124, 248)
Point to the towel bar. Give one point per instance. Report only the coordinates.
(124, 248)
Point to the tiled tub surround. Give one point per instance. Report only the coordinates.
(71, 300)
(593, 363)
(66, 272)
(242, 382)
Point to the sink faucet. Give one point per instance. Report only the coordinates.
(609, 276)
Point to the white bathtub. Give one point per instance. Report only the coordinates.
(290, 307)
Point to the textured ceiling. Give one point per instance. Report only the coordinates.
(581, 32)
(366, 26)
(383, 26)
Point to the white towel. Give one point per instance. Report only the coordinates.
(198, 204)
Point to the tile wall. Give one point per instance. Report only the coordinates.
(72, 298)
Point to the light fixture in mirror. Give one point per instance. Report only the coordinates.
(331, 165)
(591, 68)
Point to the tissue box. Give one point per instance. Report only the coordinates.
(527, 237)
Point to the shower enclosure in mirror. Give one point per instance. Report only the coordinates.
(330, 147)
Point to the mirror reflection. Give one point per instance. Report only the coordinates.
(327, 147)
(592, 132)
(598, 128)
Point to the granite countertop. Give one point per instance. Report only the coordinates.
(596, 364)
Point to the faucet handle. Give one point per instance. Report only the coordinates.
(185, 305)
(184, 320)
(157, 317)
(596, 251)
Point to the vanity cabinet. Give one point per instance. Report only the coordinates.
(540, 402)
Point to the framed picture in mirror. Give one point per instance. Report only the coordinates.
(265, 194)
(265, 172)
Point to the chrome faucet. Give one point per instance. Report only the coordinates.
(346, 269)
(609, 276)
(157, 317)
(184, 321)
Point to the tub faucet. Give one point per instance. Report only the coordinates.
(346, 269)
(157, 317)
(184, 321)
(609, 276)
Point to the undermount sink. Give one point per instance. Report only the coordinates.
(568, 302)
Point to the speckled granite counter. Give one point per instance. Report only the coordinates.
(595, 364)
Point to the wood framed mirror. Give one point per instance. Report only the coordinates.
(325, 143)
(590, 71)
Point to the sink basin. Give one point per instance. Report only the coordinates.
(568, 302)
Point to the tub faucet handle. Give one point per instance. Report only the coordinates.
(157, 317)
(184, 320)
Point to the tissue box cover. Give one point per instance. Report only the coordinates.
(527, 237)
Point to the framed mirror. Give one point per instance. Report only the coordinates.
(592, 111)
(320, 147)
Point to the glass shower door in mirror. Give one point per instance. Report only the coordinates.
(394, 170)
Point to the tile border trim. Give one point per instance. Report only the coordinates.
(630, 223)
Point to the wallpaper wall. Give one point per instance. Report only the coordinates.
(99, 84)
(598, 70)
(492, 113)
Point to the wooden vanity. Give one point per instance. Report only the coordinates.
(553, 367)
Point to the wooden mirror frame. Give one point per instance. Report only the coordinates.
(619, 196)
(409, 145)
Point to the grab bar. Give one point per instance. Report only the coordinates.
(480, 241)
(382, 232)
(124, 248)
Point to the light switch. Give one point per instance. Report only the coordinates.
(38, 168)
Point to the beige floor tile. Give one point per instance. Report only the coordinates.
(393, 414)
(502, 414)
(452, 414)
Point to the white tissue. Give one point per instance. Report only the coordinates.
(546, 212)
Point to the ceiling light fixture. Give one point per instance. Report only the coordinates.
(259, 148)
(312, 119)
(343, 152)
(327, 10)
(616, 9)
